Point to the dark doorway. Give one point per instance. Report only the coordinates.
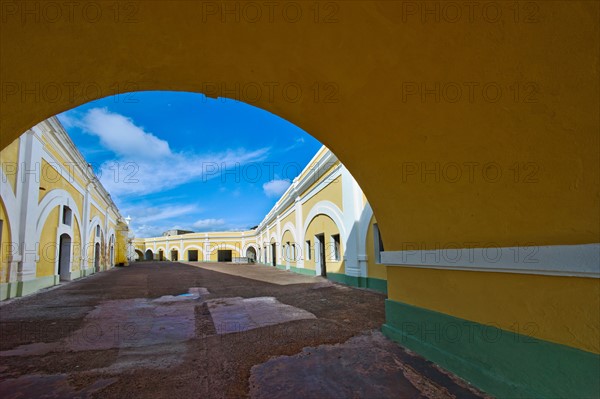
(193, 255)
(64, 257)
(274, 254)
(174, 255)
(251, 254)
(224, 255)
(321, 249)
(161, 255)
(149, 255)
(97, 257)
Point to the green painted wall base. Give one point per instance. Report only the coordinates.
(301, 270)
(360, 282)
(22, 288)
(75, 274)
(87, 272)
(500, 362)
(281, 267)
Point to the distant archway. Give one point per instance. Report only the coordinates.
(149, 255)
(251, 254)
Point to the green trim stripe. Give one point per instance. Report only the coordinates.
(360, 282)
(301, 270)
(500, 362)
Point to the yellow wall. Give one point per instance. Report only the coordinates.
(96, 212)
(533, 303)
(48, 246)
(52, 179)
(374, 269)
(291, 218)
(324, 224)
(121, 244)
(217, 245)
(64, 163)
(369, 54)
(5, 244)
(9, 163)
(197, 247)
(76, 246)
(332, 192)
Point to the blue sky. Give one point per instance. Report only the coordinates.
(181, 160)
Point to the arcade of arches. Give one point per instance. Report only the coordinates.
(475, 140)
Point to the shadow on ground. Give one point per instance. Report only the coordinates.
(164, 329)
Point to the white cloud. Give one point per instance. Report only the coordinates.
(205, 224)
(276, 187)
(148, 215)
(146, 164)
(120, 135)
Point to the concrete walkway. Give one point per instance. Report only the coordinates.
(165, 329)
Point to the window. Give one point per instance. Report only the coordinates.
(378, 243)
(67, 215)
(97, 230)
(308, 249)
(336, 246)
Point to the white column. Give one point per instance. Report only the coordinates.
(28, 186)
(299, 233)
(351, 223)
(206, 248)
(278, 244)
(85, 217)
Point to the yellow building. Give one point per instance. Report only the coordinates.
(322, 225)
(57, 221)
(408, 95)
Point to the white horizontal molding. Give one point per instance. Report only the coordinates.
(557, 260)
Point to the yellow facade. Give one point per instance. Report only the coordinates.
(391, 123)
(51, 200)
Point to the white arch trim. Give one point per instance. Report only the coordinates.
(251, 245)
(363, 227)
(54, 198)
(289, 226)
(92, 229)
(330, 209)
(192, 246)
(10, 205)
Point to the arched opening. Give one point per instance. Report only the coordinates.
(97, 256)
(64, 257)
(251, 254)
(111, 250)
(394, 124)
(174, 255)
(139, 255)
(161, 255)
(148, 255)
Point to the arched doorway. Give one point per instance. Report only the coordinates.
(64, 257)
(97, 257)
(139, 255)
(251, 254)
(111, 249)
(161, 255)
(148, 255)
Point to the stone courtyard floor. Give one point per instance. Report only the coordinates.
(196, 330)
